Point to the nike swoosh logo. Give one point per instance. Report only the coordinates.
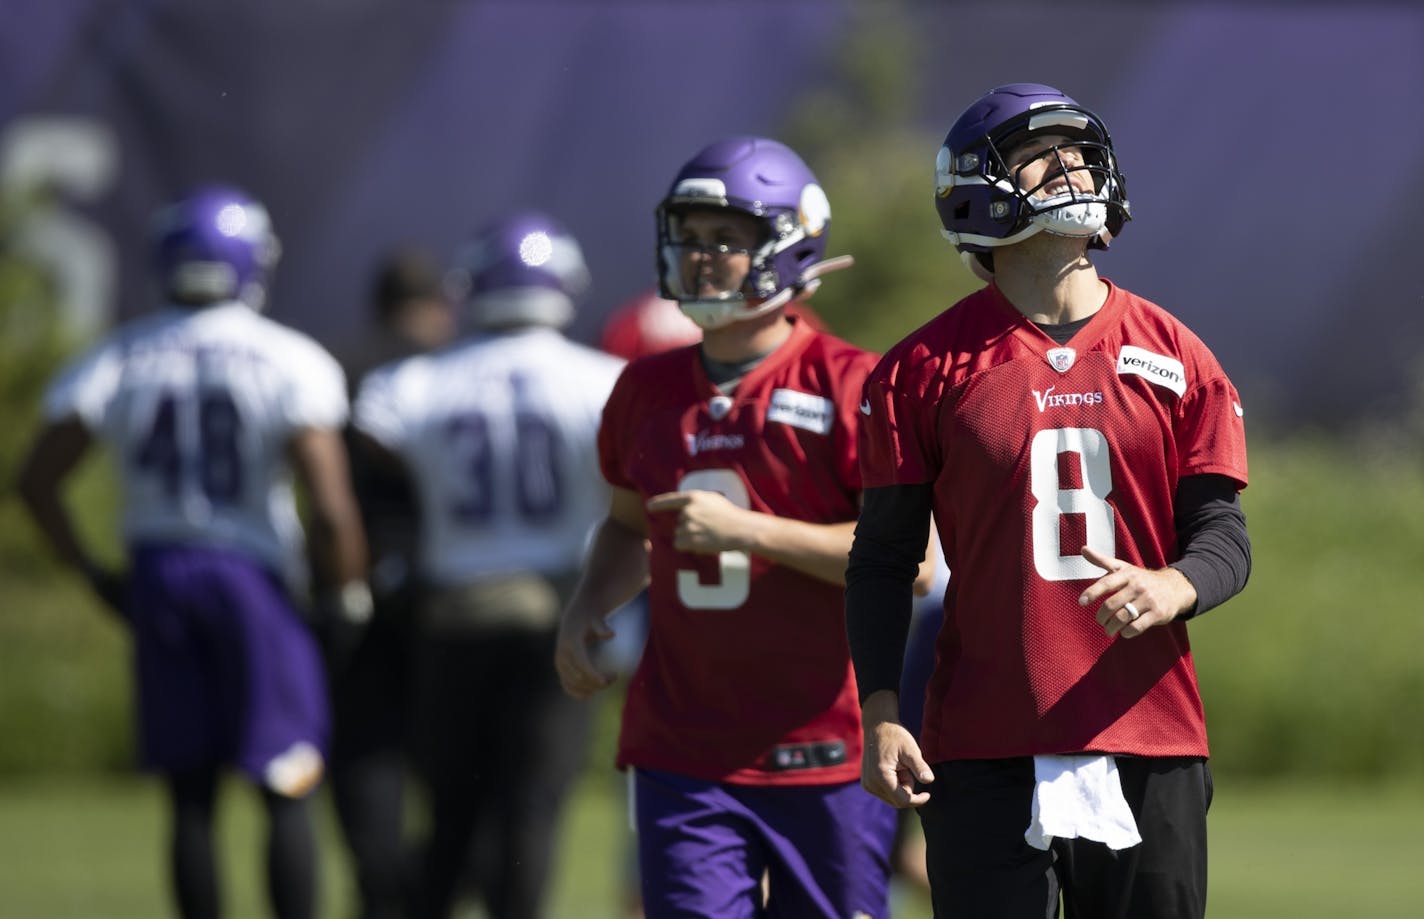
(865, 407)
(1240, 412)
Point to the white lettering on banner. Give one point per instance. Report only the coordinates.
(1158, 368)
(801, 410)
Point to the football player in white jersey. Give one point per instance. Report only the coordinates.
(208, 408)
(497, 433)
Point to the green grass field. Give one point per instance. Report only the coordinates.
(92, 849)
(1311, 681)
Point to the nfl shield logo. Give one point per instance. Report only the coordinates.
(1061, 359)
(718, 407)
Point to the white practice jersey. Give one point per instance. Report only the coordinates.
(499, 434)
(199, 406)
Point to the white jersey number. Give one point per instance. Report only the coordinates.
(733, 567)
(1053, 501)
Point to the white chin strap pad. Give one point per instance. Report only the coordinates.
(717, 314)
(1081, 220)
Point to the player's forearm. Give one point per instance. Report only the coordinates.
(615, 571)
(879, 600)
(339, 545)
(335, 536)
(54, 455)
(817, 549)
(53, 522)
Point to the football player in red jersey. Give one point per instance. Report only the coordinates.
(1082, 452)
(735, 491)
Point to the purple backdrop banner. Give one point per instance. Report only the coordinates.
(1269, 147)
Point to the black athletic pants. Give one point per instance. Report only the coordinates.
(980, 867)
(498, 745)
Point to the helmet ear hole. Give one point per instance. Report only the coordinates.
(961, 212)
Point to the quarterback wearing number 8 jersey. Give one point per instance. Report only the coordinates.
(1081, 453)
(1031, 462)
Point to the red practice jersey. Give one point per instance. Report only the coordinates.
(1034, 451)
(743, 656)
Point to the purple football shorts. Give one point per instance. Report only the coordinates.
(703, 847)
(228, 673)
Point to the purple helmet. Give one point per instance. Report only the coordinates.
(214, 244)
(523, 269)
(978, 197)
(767, 180)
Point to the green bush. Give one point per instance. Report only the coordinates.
(1314, 670)
(63, 699)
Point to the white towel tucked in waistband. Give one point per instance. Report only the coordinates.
(1079, 796)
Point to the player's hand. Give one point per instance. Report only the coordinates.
(110, 586)
(1130, 600)
(579, 632)
(707, 523)
(891, 762)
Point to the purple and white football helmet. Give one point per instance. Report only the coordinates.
(522, 269)
(767, 180)
(214, 244)
(978, 196)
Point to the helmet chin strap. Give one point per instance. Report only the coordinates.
(718, 314)
(1075, 217)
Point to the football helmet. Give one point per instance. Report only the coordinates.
(214, 244)
(768, 181)
(522, 269)
(977, 194)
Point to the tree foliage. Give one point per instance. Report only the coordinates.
(856, 133)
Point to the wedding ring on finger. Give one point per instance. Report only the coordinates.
(1132, 611)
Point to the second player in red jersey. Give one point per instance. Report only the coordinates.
(735, 491)
(734, 627)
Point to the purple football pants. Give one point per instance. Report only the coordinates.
(703, 846)
(227, 671)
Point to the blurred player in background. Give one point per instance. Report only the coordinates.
(497, 433)
(647, 324)
(735, 486)
(411, 308)
(1081, 452)
(369, 662)
(208, 407)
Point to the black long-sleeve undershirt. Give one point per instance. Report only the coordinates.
(893, 530)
